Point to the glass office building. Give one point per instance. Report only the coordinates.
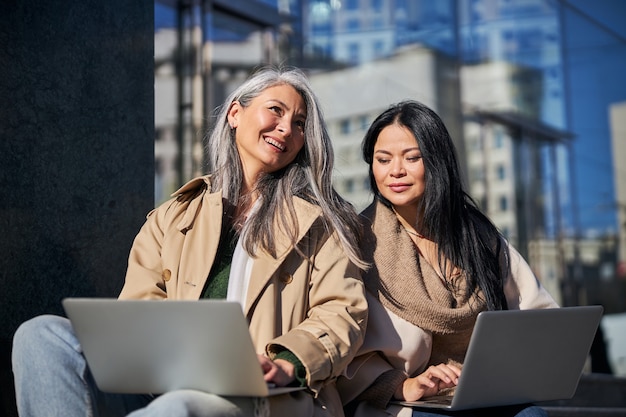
(524, 86)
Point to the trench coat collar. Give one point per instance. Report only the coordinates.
(194, 188)
(264, 266)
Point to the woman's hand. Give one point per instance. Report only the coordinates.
(279, 372)
(428, 383)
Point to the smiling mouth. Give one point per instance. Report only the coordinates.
(275, 144)
(398, 187)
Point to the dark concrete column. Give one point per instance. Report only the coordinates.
(76, 153)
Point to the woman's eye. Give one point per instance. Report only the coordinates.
(414, 158)
(382, 161)
(300, 124)
(276, 109)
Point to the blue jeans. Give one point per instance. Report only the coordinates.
(52, 379)
(510, 411)
(524, 410)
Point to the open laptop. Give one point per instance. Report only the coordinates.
(522, 356)
(142, 346)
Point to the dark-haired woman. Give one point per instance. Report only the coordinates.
(437, 261)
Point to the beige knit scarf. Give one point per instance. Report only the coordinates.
(407, 285)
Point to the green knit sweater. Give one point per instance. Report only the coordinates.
(217, 287)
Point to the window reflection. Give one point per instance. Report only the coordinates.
(506, 77)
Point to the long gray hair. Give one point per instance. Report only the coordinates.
(309, 176)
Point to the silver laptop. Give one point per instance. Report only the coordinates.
(142, 346)
(522, 356)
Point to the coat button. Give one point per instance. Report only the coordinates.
(286, 278)
(166, 275)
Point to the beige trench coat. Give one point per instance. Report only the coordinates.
(315, 309)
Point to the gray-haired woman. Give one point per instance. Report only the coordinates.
(265, 228)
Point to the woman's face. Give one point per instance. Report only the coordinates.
(398, 168)
(270, 131)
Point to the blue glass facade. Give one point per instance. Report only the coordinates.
(525, 86)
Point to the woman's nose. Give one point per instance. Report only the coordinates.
(397, 170)
(284, 127)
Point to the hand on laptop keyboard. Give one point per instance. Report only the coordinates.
(429, 382)
(279, 372)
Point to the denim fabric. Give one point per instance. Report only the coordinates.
(510, 411)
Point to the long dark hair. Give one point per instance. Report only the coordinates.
(464, 235)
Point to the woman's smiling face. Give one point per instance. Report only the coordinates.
(398, 168)
(269, 131)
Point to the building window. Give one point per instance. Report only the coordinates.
(353, 53)
(364, 122)
(379, 49)
(501, 172)
(353, 25)
(504, 203)
(352, 4)
(498, 137)
(344, 126)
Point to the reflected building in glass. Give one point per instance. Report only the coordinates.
(480, 64)
(493, 69)
(203, 50)
(500, 92)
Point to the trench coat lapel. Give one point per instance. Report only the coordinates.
(202, 225)
(265, 265)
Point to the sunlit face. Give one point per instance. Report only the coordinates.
(398, 168)
(270, 131)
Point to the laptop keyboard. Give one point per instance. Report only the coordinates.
(442, 399)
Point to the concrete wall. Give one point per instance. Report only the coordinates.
(76, 153)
